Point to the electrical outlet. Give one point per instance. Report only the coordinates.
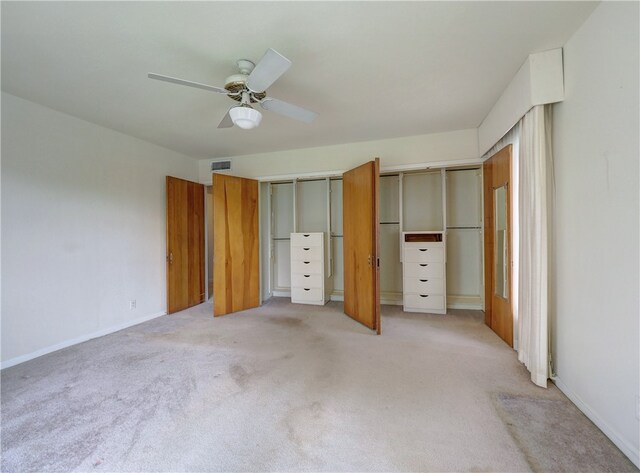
(132, 304)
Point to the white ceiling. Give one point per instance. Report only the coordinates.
(372, 70)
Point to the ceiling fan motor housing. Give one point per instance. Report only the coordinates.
(237, 82)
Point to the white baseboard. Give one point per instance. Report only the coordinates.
(464, 302)
(390, 302)
(395, 298)
(340, 298)
(391, 298)
(74, 341)
(632, 453)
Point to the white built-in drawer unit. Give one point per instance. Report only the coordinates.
(424, 272)
(307, 268)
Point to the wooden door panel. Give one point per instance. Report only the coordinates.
(236, 264)
(361, 202)
(498, 309)
(185, 244)
(195, 246)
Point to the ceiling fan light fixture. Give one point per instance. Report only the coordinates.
(245, 117)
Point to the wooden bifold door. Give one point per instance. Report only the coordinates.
(185, 244)
(236, 255)
(361, 219)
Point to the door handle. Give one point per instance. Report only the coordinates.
(170, 258)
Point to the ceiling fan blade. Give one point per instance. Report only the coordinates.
(226, 121)
(288, 110)
(188, 83)
(271, 66)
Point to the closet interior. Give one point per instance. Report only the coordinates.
(434, 200)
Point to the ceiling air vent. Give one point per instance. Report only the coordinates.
(219, 166)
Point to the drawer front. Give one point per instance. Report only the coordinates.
(306, 253)
(423, 270)
(306, 239)
(416, 301)
(304, 294)
(306, 267)
(426, 244)
(424, 254)
(306, 280)
(431, 286)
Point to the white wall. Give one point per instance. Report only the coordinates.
(83, 228)
(596, 146)
(437, 148)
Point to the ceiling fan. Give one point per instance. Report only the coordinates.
(248, 87)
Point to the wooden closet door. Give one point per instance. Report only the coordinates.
(498, 265)
(185, 244)
(236, 261)
(361, 202)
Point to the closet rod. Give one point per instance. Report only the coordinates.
(389, 223)
(422, 172)
(464, 228)
(462, 169)
(312, 179)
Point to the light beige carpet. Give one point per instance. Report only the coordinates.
(295, 388)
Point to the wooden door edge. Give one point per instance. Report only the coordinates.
(376, 236)
(166, 250)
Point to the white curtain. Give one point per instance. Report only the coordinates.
(535, 165)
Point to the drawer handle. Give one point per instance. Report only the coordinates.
(306, 289)
(423, 295)
(306, 235)
(306, 275)
(306, 249)
(306, 262)
(423, 280)
(424, 264)
(423, 249)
